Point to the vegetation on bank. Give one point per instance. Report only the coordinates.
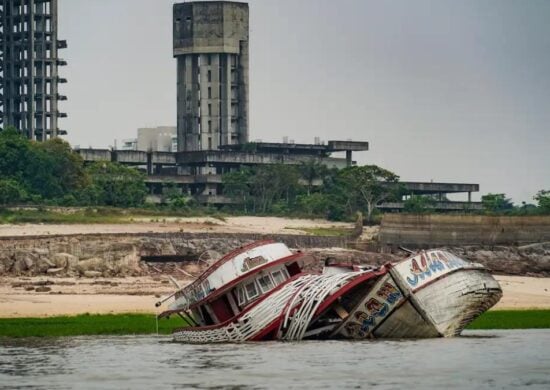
(89, 215)
(50, 173)
(87, 325)
(130, 324)
(513, 319)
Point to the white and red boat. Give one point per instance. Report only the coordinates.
(261, 292)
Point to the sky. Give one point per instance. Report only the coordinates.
(444, 90)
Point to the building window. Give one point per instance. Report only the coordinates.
(209, 109)
(209, 93)
(209, 75)
(209, 59)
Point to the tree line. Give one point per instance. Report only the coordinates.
(51, 173)
(313, 190)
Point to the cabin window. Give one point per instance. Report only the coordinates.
(241, 298)
(265, 283)
(278, 277)
(251, 290)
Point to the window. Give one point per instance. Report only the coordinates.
(251, 290)
(241, 299)
(209, 75)
(265, 283)
(278, 277)
(209, 93)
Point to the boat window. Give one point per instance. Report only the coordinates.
(251, 290)
(278, 277)
(265, 283)
(241, 298)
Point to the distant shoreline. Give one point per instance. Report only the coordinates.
(133, 324)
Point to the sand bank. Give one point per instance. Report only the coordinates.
(138, 295)
(260, 225)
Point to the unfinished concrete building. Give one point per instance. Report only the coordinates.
(210, 41)
(29, 64)
(210, 44)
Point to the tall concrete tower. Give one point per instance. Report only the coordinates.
(28, 67)
(211, 47)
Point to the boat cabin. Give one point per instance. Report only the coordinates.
(238, 280)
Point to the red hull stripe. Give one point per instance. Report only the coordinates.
(361, 279)
(246, 310)
(236, 281)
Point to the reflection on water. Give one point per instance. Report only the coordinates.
(489, 359)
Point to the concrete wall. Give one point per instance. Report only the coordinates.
(421, 231)
(118, 254)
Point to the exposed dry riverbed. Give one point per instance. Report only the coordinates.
(26, 297)
(48, 270)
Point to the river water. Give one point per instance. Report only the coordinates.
(480, 359)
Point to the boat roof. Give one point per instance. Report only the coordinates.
(236, 266)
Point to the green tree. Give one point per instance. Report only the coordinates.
(14, 152)
(543, 201)
(236, 185)
(310, 171)
(11, 192)
(113, 184)
(417, 204)
(370, 184)
(316, 204)
(272, 183)
(496, 203)
(54, 170)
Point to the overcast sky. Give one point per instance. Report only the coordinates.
(452, 91)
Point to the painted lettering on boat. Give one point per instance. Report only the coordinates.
(376, 306)
(429, 265)
(253, 262)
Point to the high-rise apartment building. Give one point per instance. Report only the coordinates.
(29, 64)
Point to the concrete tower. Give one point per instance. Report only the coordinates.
(28, 67)
(211, 47)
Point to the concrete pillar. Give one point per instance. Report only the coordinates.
(469, 197)
(149, 163)
(349, 160)
(243, 92)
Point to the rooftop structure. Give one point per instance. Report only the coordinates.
(210, 41)
(157, 139)
(29, 67)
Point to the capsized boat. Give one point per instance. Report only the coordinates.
(262, 291)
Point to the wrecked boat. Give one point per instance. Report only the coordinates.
(263, 291)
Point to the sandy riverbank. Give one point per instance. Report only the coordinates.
(260, 225)
(138, 295)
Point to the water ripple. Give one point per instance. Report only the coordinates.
(480, 359)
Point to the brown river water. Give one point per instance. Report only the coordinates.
(477, 360)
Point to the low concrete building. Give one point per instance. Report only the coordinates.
(211, 46)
